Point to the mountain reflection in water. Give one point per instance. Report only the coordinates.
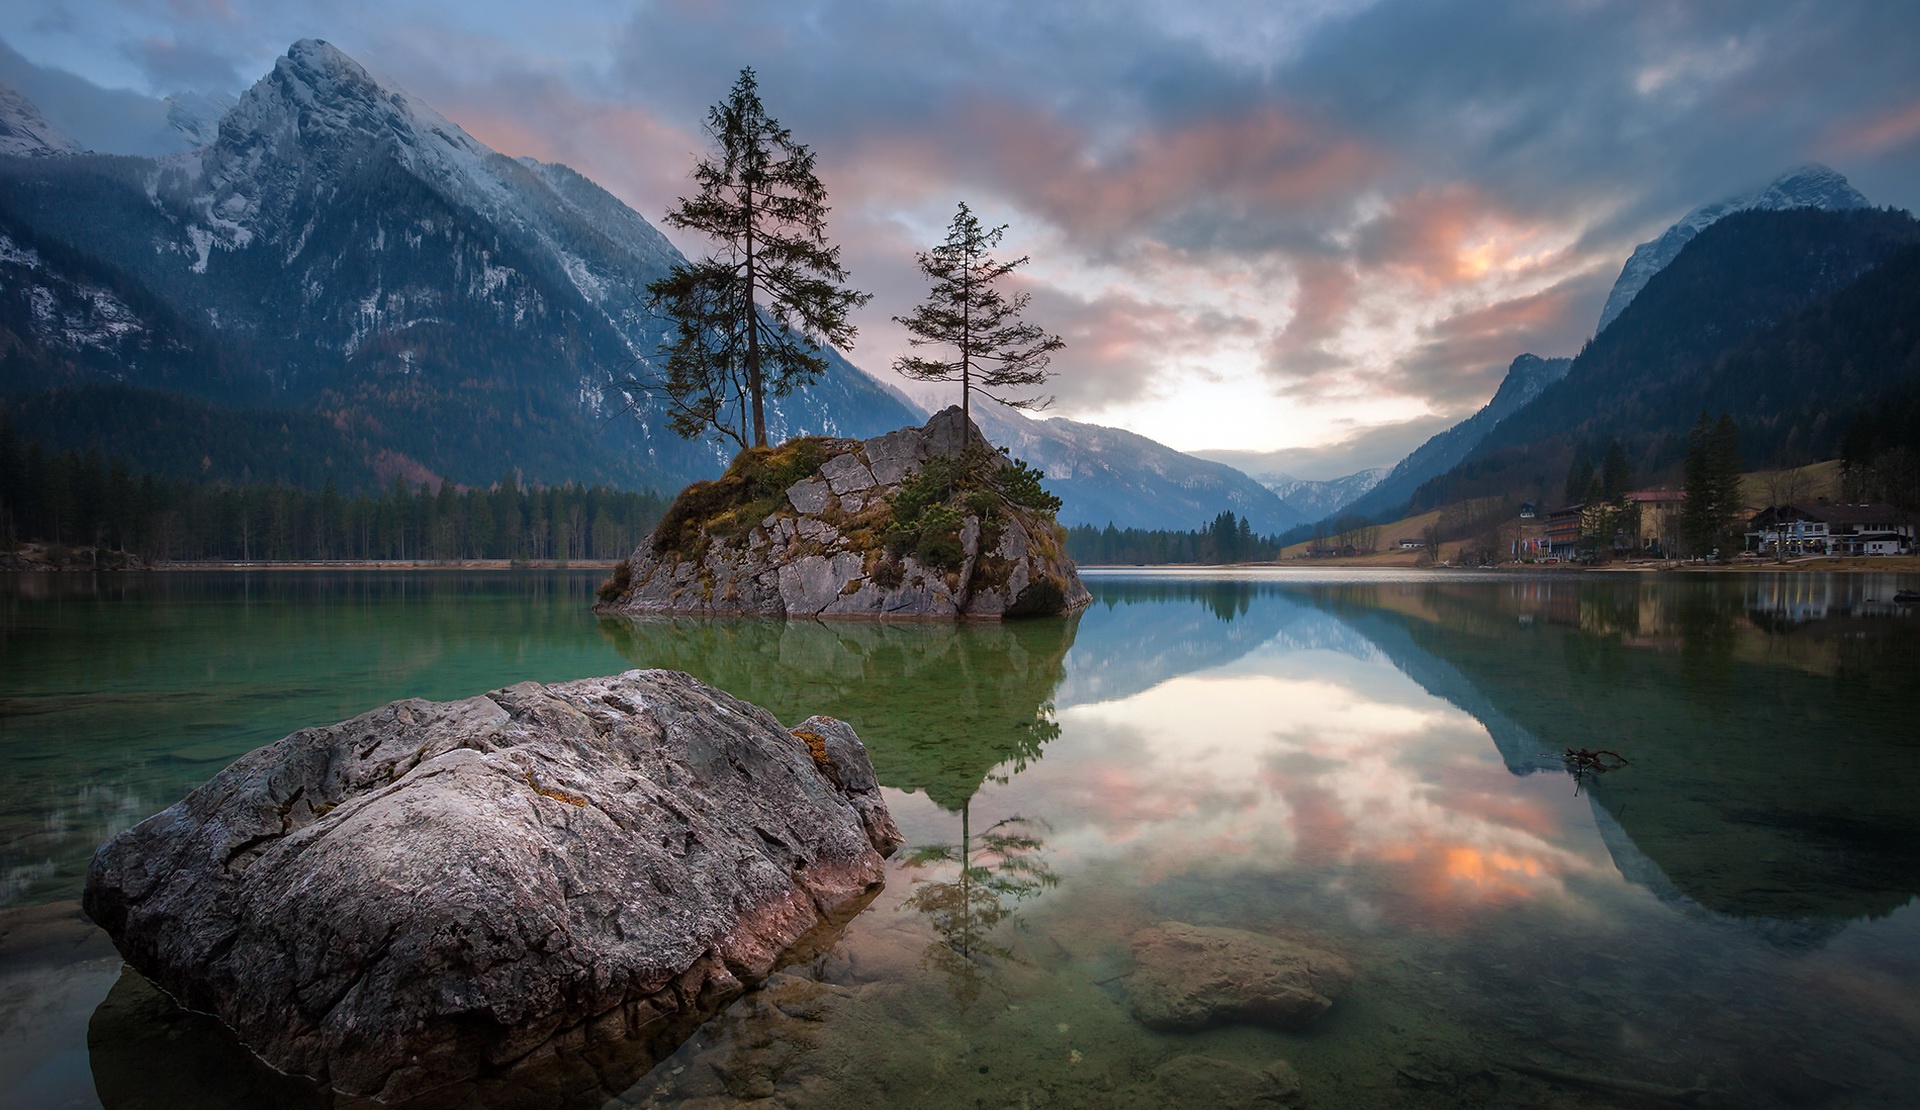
(1772, 743)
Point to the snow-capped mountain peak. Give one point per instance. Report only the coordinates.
(1807, 186)
(25, 132)
(318, 115)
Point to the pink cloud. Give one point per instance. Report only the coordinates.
(1885, 131)
(1264, 161)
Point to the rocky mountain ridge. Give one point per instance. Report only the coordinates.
(1808, 186)
(1527, 377)
(342, 248)
(25, 133)
(1112, 476)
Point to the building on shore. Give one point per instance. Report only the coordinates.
(1829, 529)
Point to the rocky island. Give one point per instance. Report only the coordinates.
(922, 522)
(437, 892)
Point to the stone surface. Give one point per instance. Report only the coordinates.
(1192, 976)
(822, 551)
(1206, 1083)
(809, 495)
(437, 891)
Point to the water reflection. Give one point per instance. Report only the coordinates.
(1354, 764)
(977, 887)
(1769, 724)
(941, 707)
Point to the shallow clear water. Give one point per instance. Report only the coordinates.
(1368, 764)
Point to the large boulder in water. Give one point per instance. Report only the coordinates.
(441, 890)
(923, 522)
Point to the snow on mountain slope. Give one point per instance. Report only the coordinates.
(1113, 476)
(348, 248)
(24, 132)
(1808, 186)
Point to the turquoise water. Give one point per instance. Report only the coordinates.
(1369, 764)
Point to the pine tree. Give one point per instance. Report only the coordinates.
(1579, 477)
(1616, 475)
(993, 349)
(1713, 511)
(1729, 497)
(752, 319)
(1696, 504)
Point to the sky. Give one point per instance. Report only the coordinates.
(1318, 230)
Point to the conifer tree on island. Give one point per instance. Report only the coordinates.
(994, 350)
(753, 318)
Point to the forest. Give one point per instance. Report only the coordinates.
(85, 500)
(1227, 540)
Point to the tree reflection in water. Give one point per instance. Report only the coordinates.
(997, 870)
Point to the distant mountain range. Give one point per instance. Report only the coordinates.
(340, 283)
(341, 252)
(1312, 498)
(1112, 476)
(1794, 322)
(24, 132)
(1526, 378)
(1809, 187)
(337, 283)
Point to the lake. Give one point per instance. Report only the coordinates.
(1368, 762)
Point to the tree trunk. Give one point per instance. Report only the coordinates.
(966, 351)
(755, 385)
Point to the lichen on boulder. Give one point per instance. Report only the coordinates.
(925, 522)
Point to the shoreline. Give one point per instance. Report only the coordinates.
(1815, 564)
(342, 564)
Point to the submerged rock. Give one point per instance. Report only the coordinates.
(435, 891)
(914, 523)
(1208, 1083)
(1193, 976)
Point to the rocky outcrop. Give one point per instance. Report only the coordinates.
(910, 524)
(1192, 976)
(441, 890)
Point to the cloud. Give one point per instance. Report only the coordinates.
(172, 66)
(1462, 358)
(1349, 447)
(1892, 129)
(112, 121)
(1366, 206)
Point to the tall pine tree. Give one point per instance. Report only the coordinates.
(993, 350)
(753, 318)
(1713, 510)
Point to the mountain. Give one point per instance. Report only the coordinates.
(1808, 186)
(1315, 500)
(1312, 499)
(24, 132)
(1793, 321)
(342, 250)
(1527, 377)
(1111, 476)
